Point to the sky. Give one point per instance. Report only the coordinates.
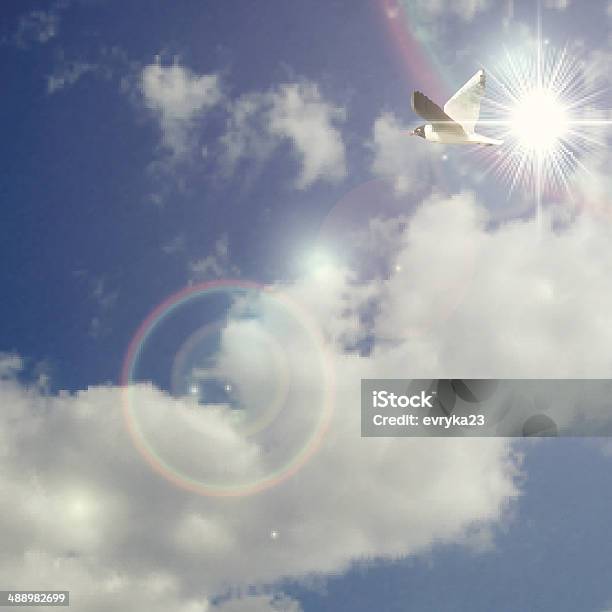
(215, 224)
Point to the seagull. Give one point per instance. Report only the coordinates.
(455, 124)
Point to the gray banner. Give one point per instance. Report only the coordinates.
(34, 598)
(470, 407)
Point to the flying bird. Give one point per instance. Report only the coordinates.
(455, 124)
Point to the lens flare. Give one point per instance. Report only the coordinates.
(539, 121)
(542, 105)
(261, 362)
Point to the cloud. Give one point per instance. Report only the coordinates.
(257, 125)
(174, 245)
(88, 513)
(108, 62)
(516, 301)
(299, 114)
(466, 298)
(104, 301)
(246, 135)
(66, 74)
(399, 156)
(178, 97)
(10, 365)
(37, 27)
(102, 298)
(293, 113)
(460, 298)
(215, 265)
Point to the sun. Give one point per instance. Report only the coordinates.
(541, 104)
(539, 122)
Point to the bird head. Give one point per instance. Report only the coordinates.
(420, 131)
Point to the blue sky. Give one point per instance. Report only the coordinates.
(206, 150)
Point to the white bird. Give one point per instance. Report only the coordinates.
(455, 124)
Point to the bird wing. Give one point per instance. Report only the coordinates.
(464, 106)
(431, 112)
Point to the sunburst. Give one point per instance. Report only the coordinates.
(541, 105)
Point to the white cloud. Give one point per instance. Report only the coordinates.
(108, 62)
(466, 301)
(68, 73)
(400, 156)
(299, 114)
(513, 302)
(10, 365)
(174, 245)
(244, 136)
(178, 97)
(295, 113)
(257, 124)
(101, 297)
(36, 27)
(215, 265)
(463, 299)
(89, 514)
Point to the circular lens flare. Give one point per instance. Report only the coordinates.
(539, 120)
(283, 438)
